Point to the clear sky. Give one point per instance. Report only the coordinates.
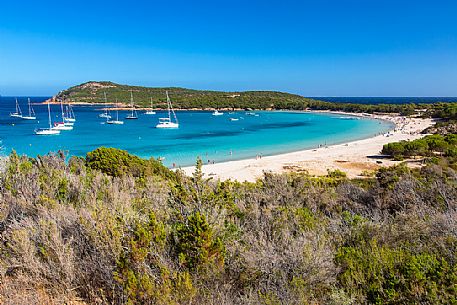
(314, 48)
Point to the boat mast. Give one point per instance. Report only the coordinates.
(170, 106)
(30, 108)
(106, 101)
(133, 104)
(18, 109)
(49, 116)
(131, 101)
(61, 108)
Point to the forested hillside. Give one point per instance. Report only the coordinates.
(93, 92)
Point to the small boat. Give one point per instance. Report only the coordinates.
(31, 115)
(116, 121)
(105, 114)
(252, 113)
(167, 122)
(217, 113)
(150, 111)
(69, 115)
(63, 125)
(133, 115)
(233, 119)
(18, 112)
(47, 131)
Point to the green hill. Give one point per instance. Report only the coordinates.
(93, 92)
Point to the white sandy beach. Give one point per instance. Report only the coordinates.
(351, 157)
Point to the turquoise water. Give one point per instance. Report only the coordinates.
(200, 134)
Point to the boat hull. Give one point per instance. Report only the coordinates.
(115, 122)
(47, 132)
(62, 127)
(167, 125)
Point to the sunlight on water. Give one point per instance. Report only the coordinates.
(200, 134)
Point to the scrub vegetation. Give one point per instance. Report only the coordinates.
(116, 229)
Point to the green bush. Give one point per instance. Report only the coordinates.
(196, 245)
(427, 146)
(336, 173)
(116, 163)
(383, 275)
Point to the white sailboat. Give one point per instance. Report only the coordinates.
(133, 115)
(116, 121)
(70, 118)
(167, 122)
(63, 125)
(31, 115)
(18, 112)
(150, 111)
(217, 113)
(47, 131)
(105, 114)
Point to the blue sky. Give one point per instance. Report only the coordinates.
(314, 48)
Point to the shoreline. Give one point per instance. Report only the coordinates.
(353, 157)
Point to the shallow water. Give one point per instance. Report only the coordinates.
(200, 134)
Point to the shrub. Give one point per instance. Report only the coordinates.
(336, 173)
(382, 275)
(196, 245)
(116, 163)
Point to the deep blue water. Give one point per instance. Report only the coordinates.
(386, 100)
(200, 133)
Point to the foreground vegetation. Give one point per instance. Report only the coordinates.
(116, 229)
(429, 146)
(93, 92)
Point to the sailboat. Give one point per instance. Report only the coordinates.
(47, 131)
(106, 113)
(167, 122)
(63, 125)
(31, 115)
(133, 115)
(217, 113)
(116, 121)
(70, 118)
(18, 113)
(150, 111)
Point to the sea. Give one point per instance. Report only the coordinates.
(212, 138)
